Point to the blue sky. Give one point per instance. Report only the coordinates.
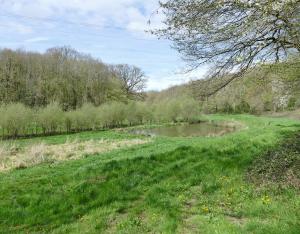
(111, 30)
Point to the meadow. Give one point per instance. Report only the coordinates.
(152, 185)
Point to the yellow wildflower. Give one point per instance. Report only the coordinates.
(205, 209)
(266, 200)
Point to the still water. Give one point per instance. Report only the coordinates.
(186, 130)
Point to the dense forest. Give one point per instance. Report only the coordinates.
(65, 76)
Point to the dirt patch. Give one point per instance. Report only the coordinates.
(11, 156)
(280, 165)
(190, 225)
(236, 220)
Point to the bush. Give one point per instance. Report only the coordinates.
(112, 115)
(87, 117)
(268, 106)
(189, 110)
(16, 119)
(138, 113)
(292, 103)
(243, 107)
(50, 118)
(227, 108)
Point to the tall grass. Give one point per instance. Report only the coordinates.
(18, 120)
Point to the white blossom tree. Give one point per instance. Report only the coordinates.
(234, 35)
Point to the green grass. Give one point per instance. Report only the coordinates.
(171, 185)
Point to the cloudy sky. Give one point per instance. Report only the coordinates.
(111, 30)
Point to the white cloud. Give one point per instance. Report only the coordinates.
(12, 26)
(37, 39)
(130, 14)
(40, 20)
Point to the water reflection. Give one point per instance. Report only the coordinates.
(187, 130)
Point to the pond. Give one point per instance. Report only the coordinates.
(187, 130)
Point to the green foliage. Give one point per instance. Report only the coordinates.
(84, 118)
(273, 87)
(115, 114)
(16, 119)
(292, 103)
(243, 107)
(178, 109)
(138, 113)
(65, 76)
(172, 110)
(190, 110)
(227, 108)
(50, 118)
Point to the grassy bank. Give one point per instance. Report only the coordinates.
(168, 185)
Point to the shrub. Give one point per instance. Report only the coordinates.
(227, 108)
(243, 107)
(117, 111)
(189, 110)
(292, 103)
(268, 106)
(16, 119)
(50, 118)
(138, 113)
(87, 117)
(111, 115)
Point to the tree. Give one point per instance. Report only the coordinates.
(234, 35)
(132, 78)
(60, 75)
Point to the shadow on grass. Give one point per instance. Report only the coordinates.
(43, 202)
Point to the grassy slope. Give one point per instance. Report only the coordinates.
(171, 185)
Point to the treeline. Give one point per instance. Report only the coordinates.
(65, 76)
(19, 120)
(274, 87)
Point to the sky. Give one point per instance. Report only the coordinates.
(111, 30)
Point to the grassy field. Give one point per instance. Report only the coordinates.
(163, 185)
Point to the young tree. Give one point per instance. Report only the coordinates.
(16, 120)
(234, 35)
(50, 118)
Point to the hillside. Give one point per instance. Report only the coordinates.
(266, 88)
(269, 88)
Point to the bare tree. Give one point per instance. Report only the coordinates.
(234, 35)
(132, 78)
